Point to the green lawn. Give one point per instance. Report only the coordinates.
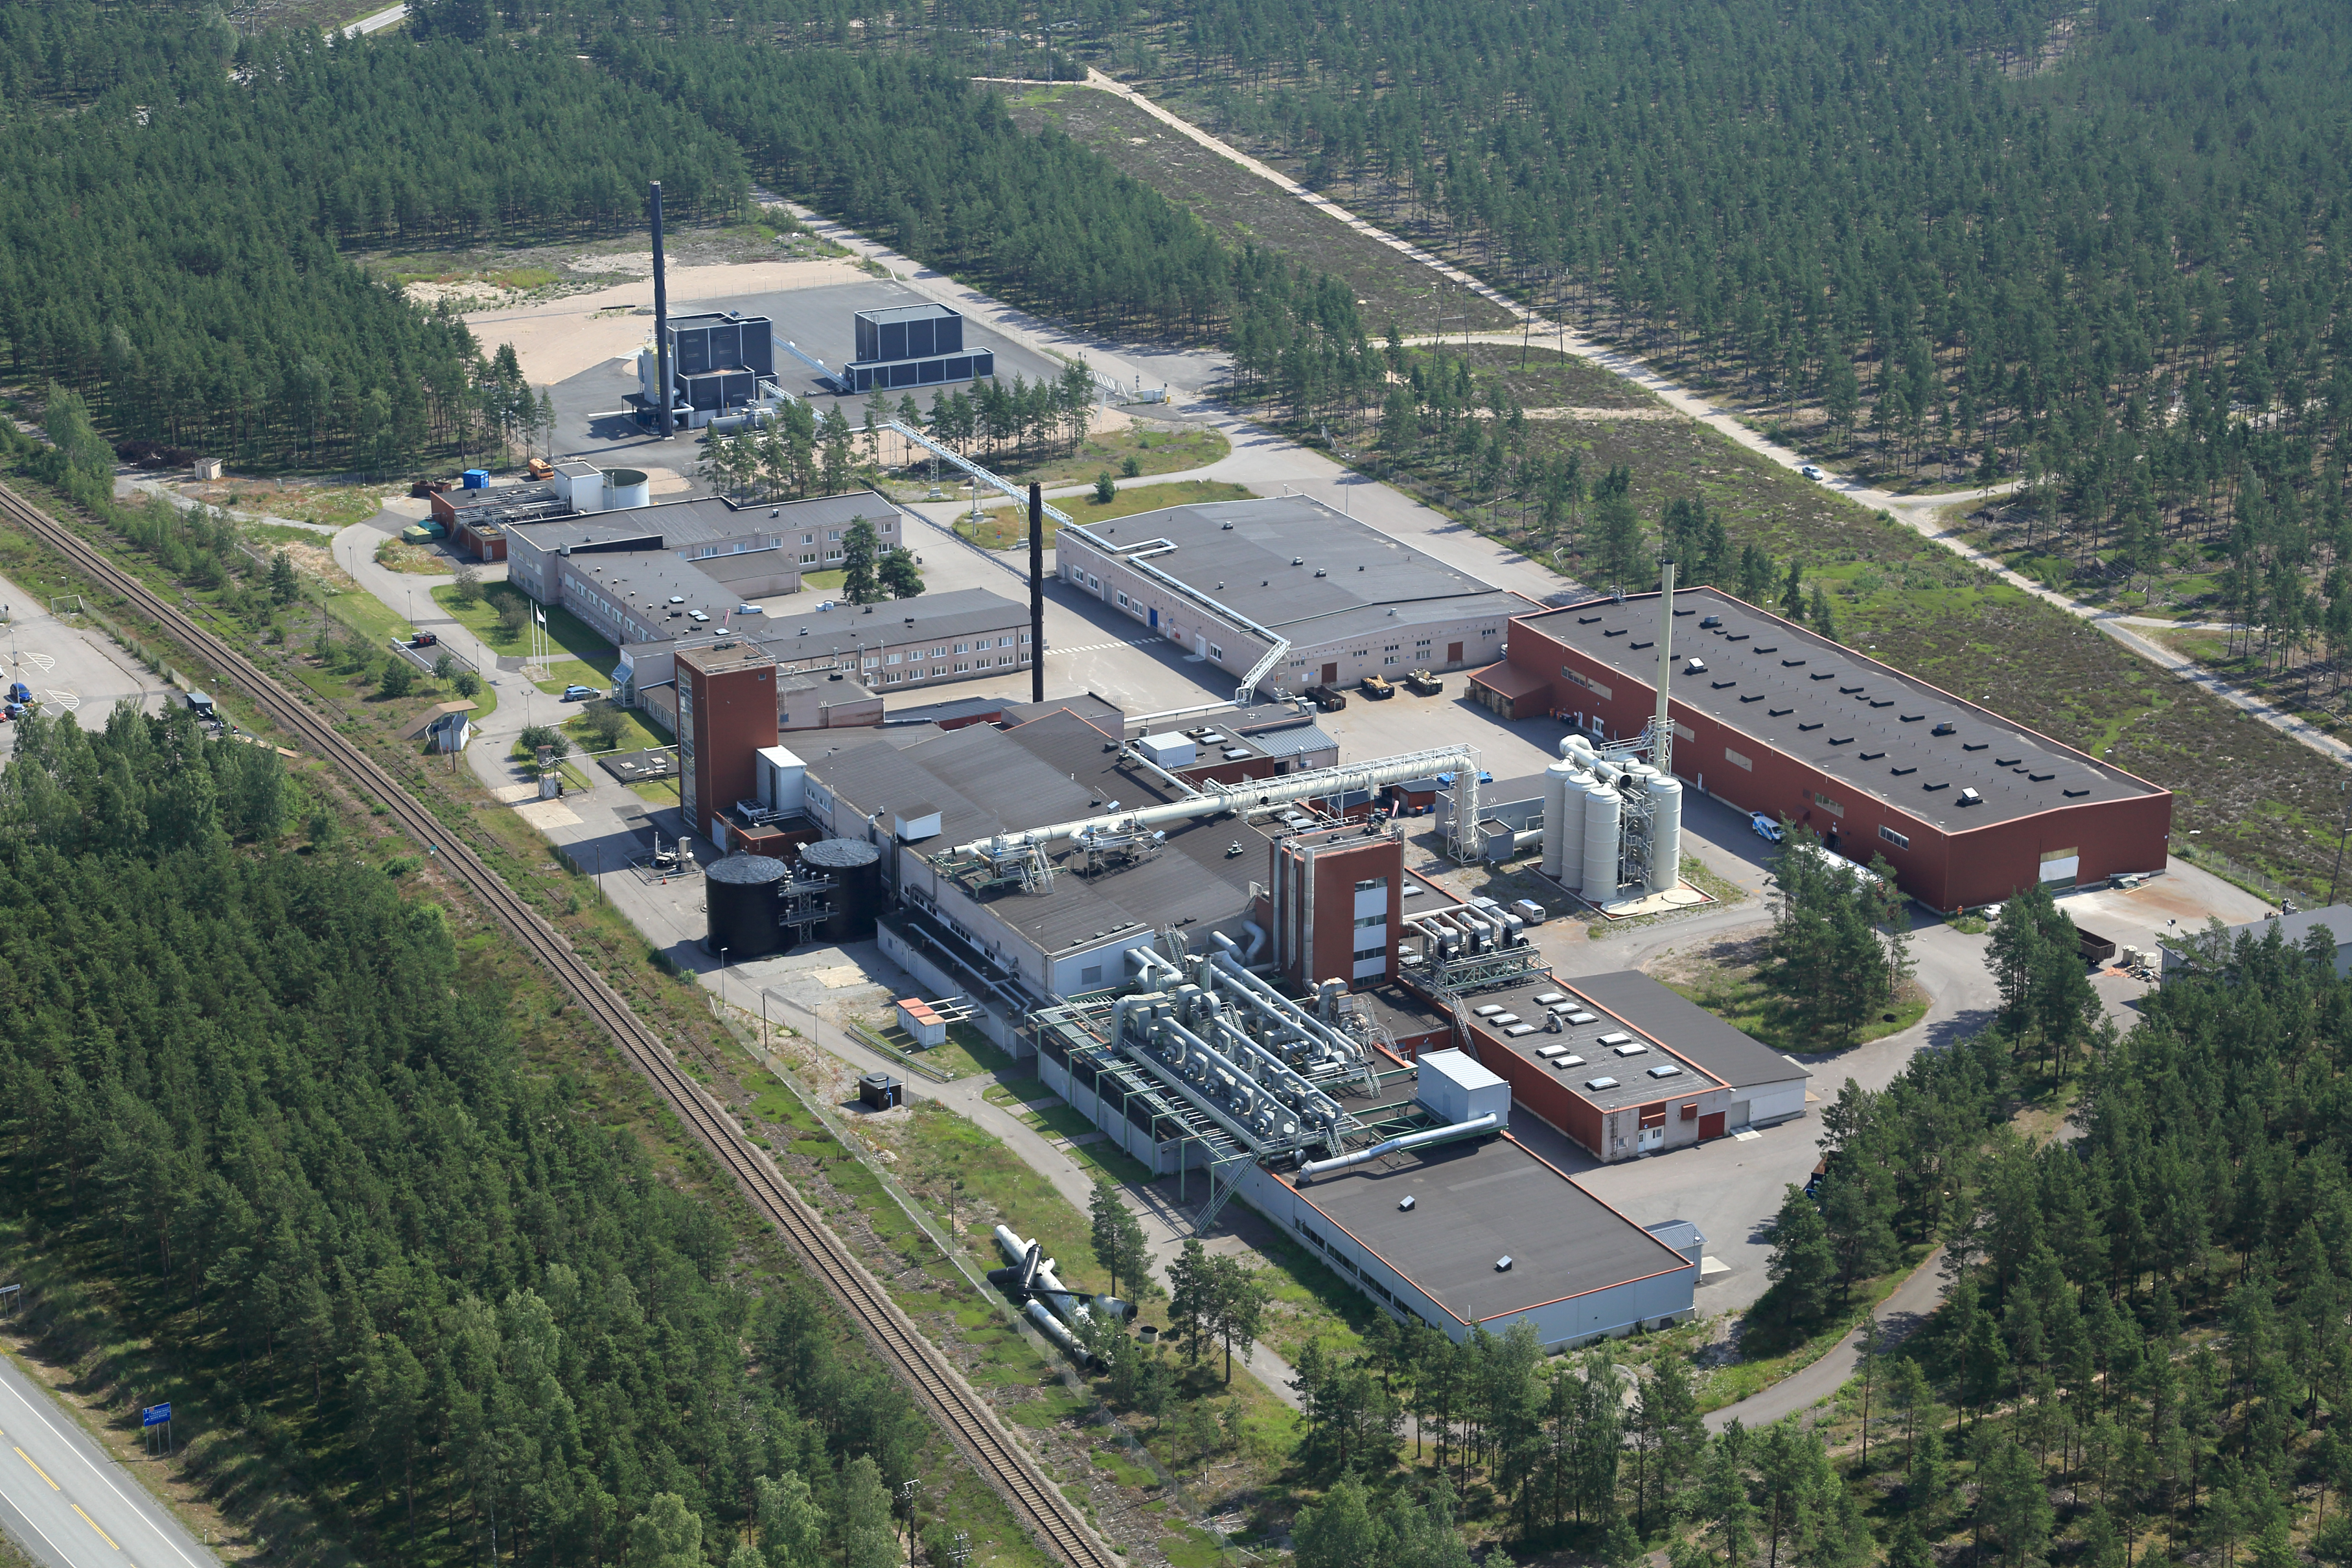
(566, 631)
(1737, 996)
(637, 733)
(1007, 528)
(370, 616)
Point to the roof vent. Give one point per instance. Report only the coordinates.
(1900, 771)
(1598, 1084)
(1298, 561)
(1822, 674)
(1849, 691)
(1320, 573)
(1974, 745)
(1759, 647)
(1970, 798)
(1912, 718)
(2072, 794)
(1616, 631)
(1719, 685)
(2007, 761)
(1359, 569)
(1882, 701)
(1872, 756)
(1404, 1204)
(1780, 712)
(2042, 778)
(1712, 621)
(1841, 740)
(1586, 620)
(1503, 1263)
(1791, 663)
(1946, 728)
(1665, 1069)
(1653, 643)
(1228, 528)
(1814, 725)
(1939, 783)
(1694, 667)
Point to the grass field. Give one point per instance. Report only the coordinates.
(1247, 210)
(1007, 528)
(338, 506)
(568, 632)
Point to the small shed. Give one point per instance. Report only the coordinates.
(924, 1026)
(206, 468)
(880, 1091)
(199, 703)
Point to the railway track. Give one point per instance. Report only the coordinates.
(1040, 1507)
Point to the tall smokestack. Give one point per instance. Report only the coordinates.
(1037, 591)
(661, 316)
(1665, 760)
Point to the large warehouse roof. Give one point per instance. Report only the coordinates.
(1738, 1059)
(1303, 570)
(1474, 1203)
(1884, 732)
(985, 781)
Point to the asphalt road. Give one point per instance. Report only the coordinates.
(66, 1502)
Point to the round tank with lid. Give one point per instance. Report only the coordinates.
(1666, 833)
(627, 488)
(1603, 811)
(1563, 816)
(740, 893)
(857, 867)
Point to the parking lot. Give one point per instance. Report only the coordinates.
(70, 667)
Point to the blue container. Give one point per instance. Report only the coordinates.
(478, 478)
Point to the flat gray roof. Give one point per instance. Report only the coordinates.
(2336, 920)
(1473, 1203)
(845, 628)
(929, 311)
(1634, 1085)
(707, 520)
(1239, 554)
(1740, 1061)
(985, 781)
(1862, 722)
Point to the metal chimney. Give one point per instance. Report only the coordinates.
(661, 316)
(1037, 591)
(1664, 761)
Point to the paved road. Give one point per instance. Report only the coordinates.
(378, 22)
(67, 1501)
(1898, 1316)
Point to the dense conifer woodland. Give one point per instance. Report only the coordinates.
(265, 1109)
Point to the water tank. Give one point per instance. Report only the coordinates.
(1563, 843)
(1666, 833)
(627, 488)
(741, 894)
(856, 866)
(1601, 812)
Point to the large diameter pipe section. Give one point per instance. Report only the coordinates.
(1470, 1129)
(1271, 792)
(1062, 1339)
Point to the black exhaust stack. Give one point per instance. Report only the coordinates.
(1037, 591)
(661, 316)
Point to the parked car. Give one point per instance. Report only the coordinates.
(1813, 472)
(1376, 689)
(1766, 828)
(1327, 699)
(579, 693)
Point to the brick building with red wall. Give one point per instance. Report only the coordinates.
(725, 713)
(1966, 805)
(1335, 902)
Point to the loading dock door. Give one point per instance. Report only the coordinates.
(1331, 675)
(1454, 653)
(2060, 866)
(1711, 1125)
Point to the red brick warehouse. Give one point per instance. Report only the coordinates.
(1966, 805)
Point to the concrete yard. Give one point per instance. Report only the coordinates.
(71, 667)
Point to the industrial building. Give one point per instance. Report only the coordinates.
(932, 640)
(721, 364)
(913, 345)
(2185, 950)
(632, 574)
(1098, 905)
(1286, 595)
(1405, 1178)
(1966, 805)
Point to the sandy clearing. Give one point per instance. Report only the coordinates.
(558, 339)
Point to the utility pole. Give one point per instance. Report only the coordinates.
(2344, 790)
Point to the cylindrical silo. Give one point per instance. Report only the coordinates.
(857, 867)
(740, 893)
(627, 488)
(1666, 833)
(1554, 794)
(1601, 812)
(1567, 832)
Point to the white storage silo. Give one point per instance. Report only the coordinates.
(1564, 834)
(1666, 833)
(1601, 812)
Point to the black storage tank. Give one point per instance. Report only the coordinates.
(740, 893)
(856, 866)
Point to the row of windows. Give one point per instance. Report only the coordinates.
(961, 667)
(1898, 839)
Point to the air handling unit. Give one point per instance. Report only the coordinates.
(911, 346)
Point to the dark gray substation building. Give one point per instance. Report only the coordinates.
(914, 345)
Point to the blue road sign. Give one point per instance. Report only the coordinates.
(157, 1415)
